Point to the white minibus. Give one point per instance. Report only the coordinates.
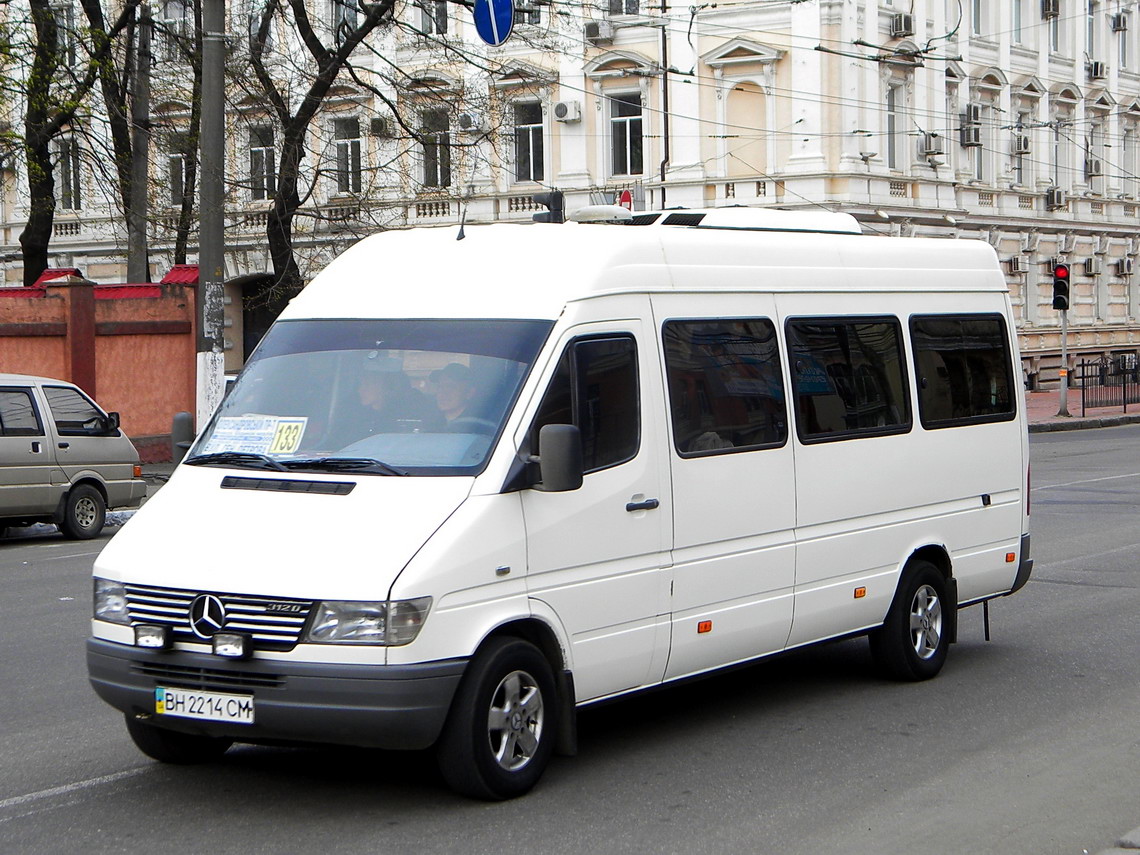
(473, 480)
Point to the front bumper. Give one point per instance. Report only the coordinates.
(378, 706)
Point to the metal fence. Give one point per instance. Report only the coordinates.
(1107, 382)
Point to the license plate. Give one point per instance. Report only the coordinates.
(210, 706)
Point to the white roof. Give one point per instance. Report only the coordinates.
(24, 379)
(508, 270)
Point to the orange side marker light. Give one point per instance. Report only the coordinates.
(1010, 557)
(860, 593)
(704, 626)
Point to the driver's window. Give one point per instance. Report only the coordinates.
(73, 413)
(595, 388)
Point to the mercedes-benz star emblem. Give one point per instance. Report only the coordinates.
(207, 614)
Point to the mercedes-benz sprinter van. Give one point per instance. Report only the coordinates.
(465, 486)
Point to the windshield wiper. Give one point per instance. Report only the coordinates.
(345, 464)
(243, 459)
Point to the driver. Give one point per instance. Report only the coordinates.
(388, 402)
(454, 391)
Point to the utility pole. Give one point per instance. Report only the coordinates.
(1063, 410)
(211, 230)
(138, 267)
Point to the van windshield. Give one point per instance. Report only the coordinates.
(385, 397)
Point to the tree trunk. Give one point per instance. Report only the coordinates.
(36, 236)
(286, 201)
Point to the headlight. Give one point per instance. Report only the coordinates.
(390, 623)
(111, 602)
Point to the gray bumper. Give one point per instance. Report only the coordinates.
(376, 706)
(1024, 568)
(125, 494)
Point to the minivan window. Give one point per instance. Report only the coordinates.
(725, 389)
(73, 413)
(849, 377)
(963, 368)
(595, 388)
(18, 415)
(420, 397)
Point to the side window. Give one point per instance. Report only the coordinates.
(725, 389)
(963, 367)
(72, 412)
(595, 387)
(18, 416)
(848, 377)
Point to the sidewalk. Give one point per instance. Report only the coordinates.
(1041, 407)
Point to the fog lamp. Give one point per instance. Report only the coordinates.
(232, 645)
(153, 637)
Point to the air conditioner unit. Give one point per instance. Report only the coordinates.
(1055, 199)
(932, 144)
(568, 111)
(1098, 70)
(471, 123)
(1120, 22)
(1092, 266)
(1093, 167)
(1124, 267)
(1020, 144)
(971, 136)
(972, 115)
(599, 32)
(902, 24)
(1017, 264)
(1050, 9)
(379, 127)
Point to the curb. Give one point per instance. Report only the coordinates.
(1082, 424)
(1126, 845)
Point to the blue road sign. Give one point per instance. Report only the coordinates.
(494, 20)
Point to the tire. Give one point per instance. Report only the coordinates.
(170, 746)
(912, 643)
(503, 722)
(84, 513)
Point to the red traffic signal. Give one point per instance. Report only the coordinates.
(1060, 286)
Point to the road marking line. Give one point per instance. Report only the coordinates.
(1085, 481)
(65, 557)
(71, 788)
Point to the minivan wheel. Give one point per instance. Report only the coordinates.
(170, 746)
(84, 513)
(500, 732)
(913, 641)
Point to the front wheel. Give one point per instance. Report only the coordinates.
(170, 746)
(500, 732)
(913, 641)
(84, 513)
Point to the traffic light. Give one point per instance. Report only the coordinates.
(554, 203)
(1060, 286)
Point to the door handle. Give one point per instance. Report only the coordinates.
(65, 445)
(35, 448)
(647, 505)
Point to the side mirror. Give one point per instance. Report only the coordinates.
(560, 460)
(111, 423)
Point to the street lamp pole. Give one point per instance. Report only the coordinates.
(211, 229)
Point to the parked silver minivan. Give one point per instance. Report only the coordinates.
(63, 459)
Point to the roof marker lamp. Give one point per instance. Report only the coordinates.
(110, 602)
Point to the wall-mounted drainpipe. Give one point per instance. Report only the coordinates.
(664, 97)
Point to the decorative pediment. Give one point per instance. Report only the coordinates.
(741, 52)
(1101, 99)
(621, 63)
(954, 71)
(171, 107)
(430, 80)
(1065, 93)
(519, 73)
(990, 80)
(1029, 86)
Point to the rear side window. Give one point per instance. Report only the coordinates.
(595, 388)
(848, 377)
(18, 416)
(964, 369)
(73, 413)
(725, 389)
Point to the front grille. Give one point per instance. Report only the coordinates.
(206, 679)
(274, 624)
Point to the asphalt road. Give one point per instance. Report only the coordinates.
(1026, 744)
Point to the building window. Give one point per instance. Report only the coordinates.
(433, 17)
(436, 141)
(173, 29)
(528, 12)
(262, 163)
(176, 177)
(626, 133)
(344, 18)
(68, 174)
(256, 13)
(529, 164)
(346, 136)
(1090, 29)
(895, 127)
(1122, 41)
(977, 8)
(1128, 147)
(1055, 33)
(1018, 35)
(624, 7)
(64, 15)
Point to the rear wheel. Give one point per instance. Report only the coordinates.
(170, 746)
(84, 513)
(501, 729)
(913, 641)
